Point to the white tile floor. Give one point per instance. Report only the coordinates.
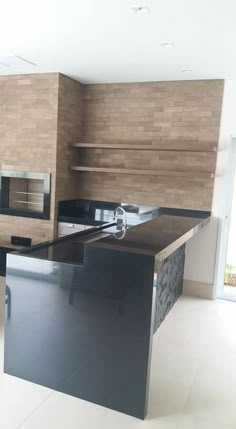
(193, 380)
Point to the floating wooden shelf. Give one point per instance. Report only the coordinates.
(129, 146)
(167, 173)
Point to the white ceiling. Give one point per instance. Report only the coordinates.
(105, 41)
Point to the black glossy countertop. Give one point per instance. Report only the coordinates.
(158, 237)
(95, 213)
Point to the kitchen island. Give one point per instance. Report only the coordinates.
(85, 307)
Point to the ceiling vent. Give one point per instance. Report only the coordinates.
(15, 61)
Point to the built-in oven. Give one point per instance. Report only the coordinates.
(25, 193)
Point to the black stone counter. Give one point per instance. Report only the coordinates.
(92, 212)
(84, 308)
(158, 237)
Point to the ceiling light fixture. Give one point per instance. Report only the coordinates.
(187, 71)
(167, 45)
(140, 10)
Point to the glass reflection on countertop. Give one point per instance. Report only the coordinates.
(70, 249)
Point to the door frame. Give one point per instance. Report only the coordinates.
(223, 238)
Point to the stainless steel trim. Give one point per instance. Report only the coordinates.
(27, 202)
(28, 175)
(120, 214)
(38, 194)
(44, 197)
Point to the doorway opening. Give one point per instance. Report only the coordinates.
(230, 266)
(227, 286)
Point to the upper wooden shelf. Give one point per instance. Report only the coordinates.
(173, 147)
(167, 173)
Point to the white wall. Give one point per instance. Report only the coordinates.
(200, 255)
(231, 256)
(202, 251)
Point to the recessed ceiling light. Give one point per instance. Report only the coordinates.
(187, 71)
(15, 61)
(167, 45)
(140, 10)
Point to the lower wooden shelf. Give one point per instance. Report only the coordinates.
(161, 147)
(167, 173)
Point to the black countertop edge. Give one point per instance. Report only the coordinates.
(184, 212)
(163, 254)
(80, 221)
(24, 213)
(81, 234)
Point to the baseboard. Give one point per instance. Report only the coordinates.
(201, 290)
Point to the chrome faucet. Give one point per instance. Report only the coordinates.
(120, 217)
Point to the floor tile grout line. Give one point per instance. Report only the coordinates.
(193, 379)
(188, 394)
(35, 409)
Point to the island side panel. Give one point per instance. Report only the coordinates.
(169, 284)
(83, 330)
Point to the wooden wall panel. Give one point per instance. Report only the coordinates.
(183, 114)
(28, 141)
(40, 115)
(69, 130)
